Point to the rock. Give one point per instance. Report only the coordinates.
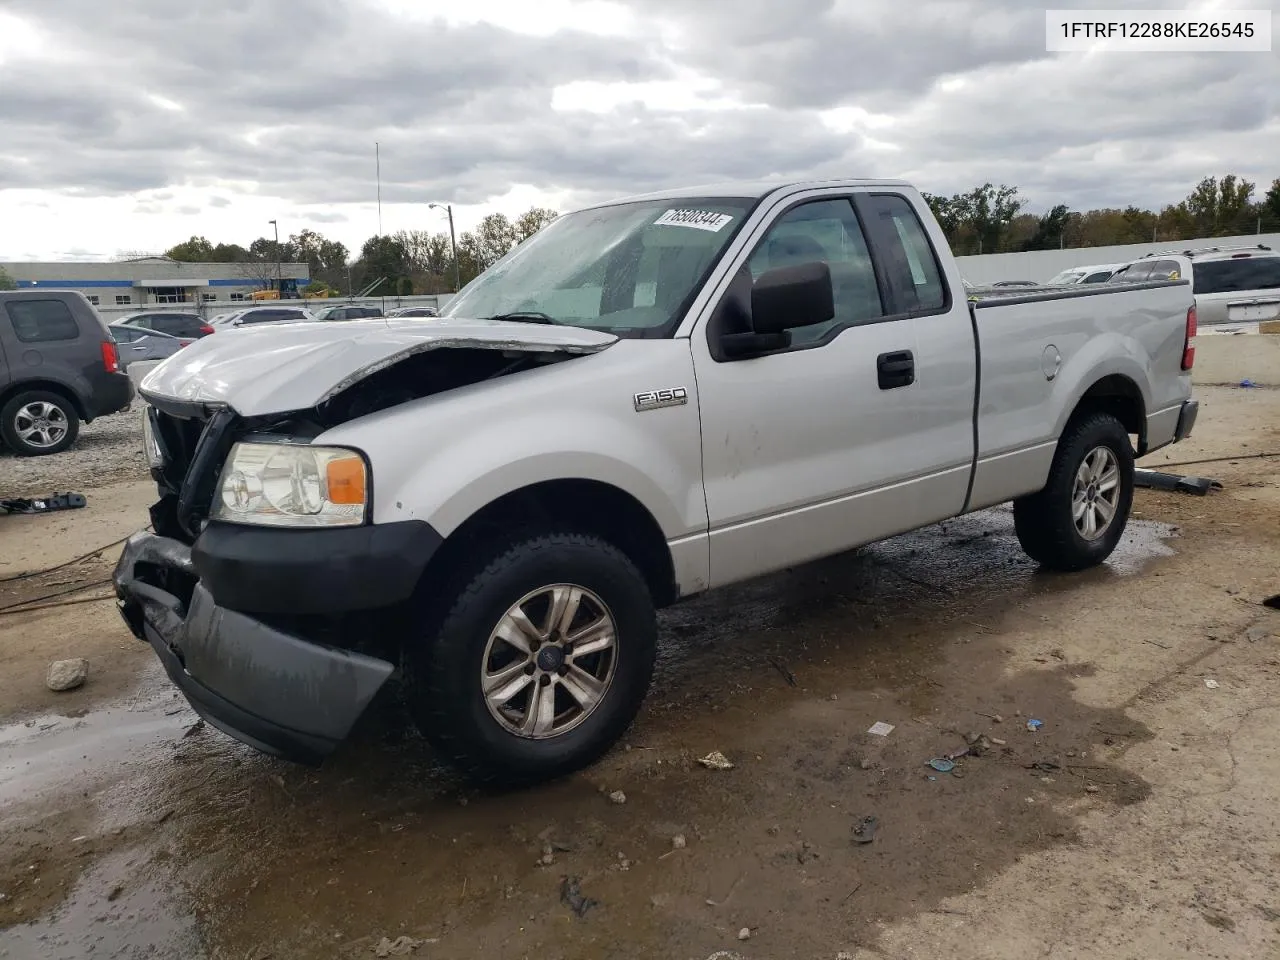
(67, 674)
(744, 933)
(618, 797)
(1092, 788)
(865, 764)
(678, 842)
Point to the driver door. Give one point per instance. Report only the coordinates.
(826, 444)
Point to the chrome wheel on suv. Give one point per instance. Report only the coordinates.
(38, 423)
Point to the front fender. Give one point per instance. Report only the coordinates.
(443, 458)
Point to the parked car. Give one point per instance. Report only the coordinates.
(1094, 273)
(656, 397)
(59, 367)
(348, 312)
(188, 326)
(254, 315)
(414, 312)
(1230, 284)
(136, 344)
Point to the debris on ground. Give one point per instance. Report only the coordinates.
(1092, 788)
(806, 853)
(58, 501)
(1034, 725)
(678, 842)
(1211, 683)
(1247, 383)
(864, 831)
(67, 674)
(715, 760)
(399, 947)
(942, 765)
(548, 856)
(1154, 480)
(997, 742)
(781, 667)
(572, 897)
(744, 933)
(866, 764)
(618, 797)
(1272, 602)
(880, 729)
(1050, 765)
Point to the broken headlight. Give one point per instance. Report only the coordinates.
(292, 485)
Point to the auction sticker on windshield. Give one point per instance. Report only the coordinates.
(698, 219)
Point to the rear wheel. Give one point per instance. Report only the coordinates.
(540, 663)
(38, 422)
(1076, 521)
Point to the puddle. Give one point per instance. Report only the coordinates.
(41, 754)
(117, 911)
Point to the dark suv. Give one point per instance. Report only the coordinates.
(58, 366)
(184, 326)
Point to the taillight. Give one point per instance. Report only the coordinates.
(110, 356)
(1189, 343)
(206, 329)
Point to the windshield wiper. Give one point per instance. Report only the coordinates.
(525, 316)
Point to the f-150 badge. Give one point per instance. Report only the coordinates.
(657, 399)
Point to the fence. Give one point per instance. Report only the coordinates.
(1040, 265)
(212, 308)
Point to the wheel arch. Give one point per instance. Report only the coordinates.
(49, 386)
(1121, 397)
(573, 505)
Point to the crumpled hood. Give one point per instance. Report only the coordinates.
(276, 368)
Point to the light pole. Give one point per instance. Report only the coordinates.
(453, 243)
(279, 270)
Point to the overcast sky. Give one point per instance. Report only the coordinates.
(129, 125)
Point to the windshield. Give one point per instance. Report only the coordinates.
(629, 269)
(1066, 276)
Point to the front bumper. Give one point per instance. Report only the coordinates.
(270, 689)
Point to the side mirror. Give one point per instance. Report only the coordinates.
(789, 297)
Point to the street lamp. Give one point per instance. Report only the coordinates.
(453, 243)
(279, 270)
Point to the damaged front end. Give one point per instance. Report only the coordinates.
(282, 636)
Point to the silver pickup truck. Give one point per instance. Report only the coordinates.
(646, 400)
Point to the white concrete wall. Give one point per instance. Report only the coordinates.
(1040, 265)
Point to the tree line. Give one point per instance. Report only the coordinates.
(404, 263)
(990, 219)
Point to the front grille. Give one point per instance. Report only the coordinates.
(178, 437)
(194, 449)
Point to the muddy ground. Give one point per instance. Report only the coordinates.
(1139, 821)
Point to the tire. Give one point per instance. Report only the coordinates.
(446, 692)
(1046, 522)
(61, 424)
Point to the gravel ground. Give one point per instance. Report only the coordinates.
(109, 450)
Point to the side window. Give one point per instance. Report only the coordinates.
(1135, 272)
(1165, 270)
(1097, 277)
(825, 230)
(912, 264)
(123, 334)
(42, 321)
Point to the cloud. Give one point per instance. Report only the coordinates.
(268, 106)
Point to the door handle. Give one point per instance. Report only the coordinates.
(896, 369)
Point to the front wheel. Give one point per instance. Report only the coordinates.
(540, 663)
(1076, 521)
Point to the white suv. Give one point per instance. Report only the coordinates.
(1231, 284)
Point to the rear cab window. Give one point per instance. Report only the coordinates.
(914, 272)
(42, 321)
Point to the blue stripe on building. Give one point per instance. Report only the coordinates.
(64, 284)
